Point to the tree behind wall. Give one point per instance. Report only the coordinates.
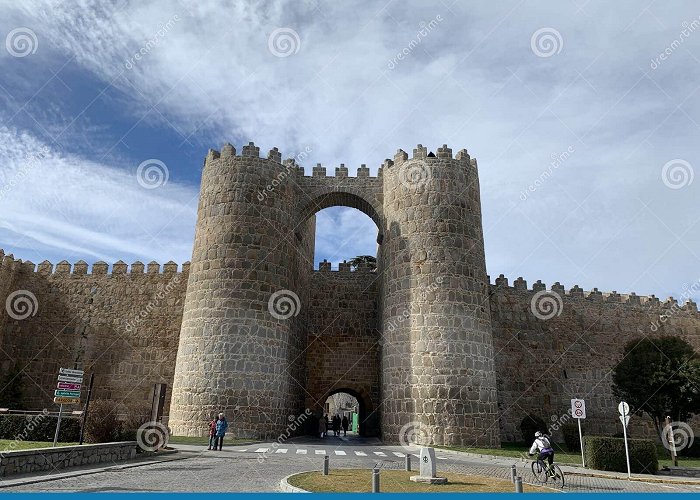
(659, 377)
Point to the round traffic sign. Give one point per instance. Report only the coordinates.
(623, 408)
(578, 404)
(578, 412)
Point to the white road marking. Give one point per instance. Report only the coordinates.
(241, 450)
(441, 458)
(340, 452)
(360, 453)
(415, 455)
(262, 450)
(320, 452)
(380, 453)
(301, 452)
(399, 454)
(281, 450)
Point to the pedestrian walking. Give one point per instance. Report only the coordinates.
(212, 433)
(221, 426)
(345, 424)
(336, 425)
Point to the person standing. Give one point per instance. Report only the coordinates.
(212, 433)
(345, 425)
(221, 426)
(322, 426)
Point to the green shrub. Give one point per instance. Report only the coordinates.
(531, 424)
(101, 425)
(608, 453)
(38, 428)
(571, 437)
(137, 415)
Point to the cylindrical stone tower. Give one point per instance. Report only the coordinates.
(438, 376)
(234, 354)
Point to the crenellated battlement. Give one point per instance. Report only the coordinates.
(420, 152)
(595, 295)
(344, 267)
(81, 267)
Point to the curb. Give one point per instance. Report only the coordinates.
(288, 488)
(11, 482)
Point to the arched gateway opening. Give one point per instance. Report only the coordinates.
(343, 327)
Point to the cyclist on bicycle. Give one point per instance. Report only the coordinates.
(543, 446)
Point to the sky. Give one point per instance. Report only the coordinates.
(583, 116)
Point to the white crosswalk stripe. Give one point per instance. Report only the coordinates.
(399, 454)
(320, 452)
(441, 458)
(262, 450)
(241, 450)
(360, 453)
(281, 450)
(301, 452)
(415, 455)
(380, 453)
(340, 452)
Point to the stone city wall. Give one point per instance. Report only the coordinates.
(121, 325)
(542, 364)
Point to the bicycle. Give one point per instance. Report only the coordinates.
(544, 473)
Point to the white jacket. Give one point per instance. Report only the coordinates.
(540, 444)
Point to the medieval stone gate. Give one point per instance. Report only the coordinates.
(265, 335)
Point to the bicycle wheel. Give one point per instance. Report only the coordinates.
(558, 478)
(539, 471)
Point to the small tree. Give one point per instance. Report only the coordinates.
(366, 259)
(659, 377)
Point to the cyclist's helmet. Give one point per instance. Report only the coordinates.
(538, 434)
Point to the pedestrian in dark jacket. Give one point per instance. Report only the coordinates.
(336, 425)
(345, 425)
(212, 433)
(221, 426)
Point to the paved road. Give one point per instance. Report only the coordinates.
(260, 467)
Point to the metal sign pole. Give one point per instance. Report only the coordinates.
(580, 438)
(623, 418)
(58, 425)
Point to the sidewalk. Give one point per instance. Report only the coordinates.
(577, 470)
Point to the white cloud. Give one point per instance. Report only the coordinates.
(472, 82)
(54, 205)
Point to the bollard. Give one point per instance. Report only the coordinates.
(325, 465)
(375, 480)
(408, 461)
(518, 484)
(513, 474)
